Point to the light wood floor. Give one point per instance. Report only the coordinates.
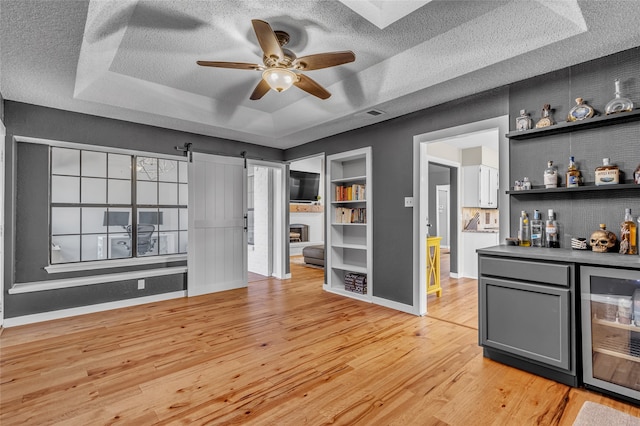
(276, 353)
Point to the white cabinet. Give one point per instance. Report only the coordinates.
(480, 187)
(349, 224)
(472, 241)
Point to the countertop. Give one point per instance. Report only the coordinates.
(585, 257)
(481, 231)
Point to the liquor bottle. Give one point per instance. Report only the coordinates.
(607, 174)
(524, 230)
(551, 230)
(573, 174)
(619, 103)
(550, 175)
(537, 230)
(628, 234)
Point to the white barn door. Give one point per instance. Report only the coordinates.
(217, 255)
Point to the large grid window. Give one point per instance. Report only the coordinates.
(103, 202)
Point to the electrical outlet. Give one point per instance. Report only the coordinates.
(141, 284)
(408, 201)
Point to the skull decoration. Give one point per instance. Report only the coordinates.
(602, 240)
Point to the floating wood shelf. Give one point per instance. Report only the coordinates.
(306, 208)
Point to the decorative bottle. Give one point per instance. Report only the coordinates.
(573, 174)
(550, 175)
(619, 103)
(580, 111)
(526, 183)
(551, 230)
(523, 122)
(607, 174)
(524, 230)
(628, 234)
(537, 230)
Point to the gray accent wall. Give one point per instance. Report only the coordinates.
(27, 211)
(392, 169)
(579, 214)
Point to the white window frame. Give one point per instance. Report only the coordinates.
(106, 263)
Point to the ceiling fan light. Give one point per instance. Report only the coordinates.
(279, 79)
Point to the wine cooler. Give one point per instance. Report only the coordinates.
(611, 330)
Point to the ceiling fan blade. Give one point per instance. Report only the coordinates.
(310, 86)
(235, 65)
(267, 39)
(324, 60)
(261, 89)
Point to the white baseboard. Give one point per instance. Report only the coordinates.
(65, 313)
(402, 307)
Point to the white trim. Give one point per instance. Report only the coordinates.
(420, 183)
(402, 307)
(3, 227)
(280, 213)
(98, 148)
(113, 263)
(65, 313)
(29, 287)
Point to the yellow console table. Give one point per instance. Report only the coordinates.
(433, 266)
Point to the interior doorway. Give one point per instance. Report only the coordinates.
(266, 218)
(425, 146)
(306, 206)
(443, 220)
(3, 132)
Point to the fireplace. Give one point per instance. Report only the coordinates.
(298, 233)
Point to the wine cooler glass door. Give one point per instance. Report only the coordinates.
(611, 329)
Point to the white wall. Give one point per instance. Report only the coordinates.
(258, 258)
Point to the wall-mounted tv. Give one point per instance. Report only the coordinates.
(303, 186)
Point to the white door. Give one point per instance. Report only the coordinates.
(217, 255)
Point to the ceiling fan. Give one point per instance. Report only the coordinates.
(281, 68)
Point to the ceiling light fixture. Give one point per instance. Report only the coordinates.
(279, 79)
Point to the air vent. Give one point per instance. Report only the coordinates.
(370, 113)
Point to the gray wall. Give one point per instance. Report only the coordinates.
(579, 214)
(392, 158)
(27, 194)
(392, 145)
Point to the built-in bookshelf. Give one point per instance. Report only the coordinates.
(349, 224)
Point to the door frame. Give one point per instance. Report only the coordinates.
(420, 193)
(3, 134)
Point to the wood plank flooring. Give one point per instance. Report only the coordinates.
(277, 353)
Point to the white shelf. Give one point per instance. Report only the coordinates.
(351, 268)
(350, 243)
(349, 179)
(352, 294)
(349, 202)
(350, 246)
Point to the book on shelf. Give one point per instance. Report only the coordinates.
(356, 283)
(355, 192)
(351, 215)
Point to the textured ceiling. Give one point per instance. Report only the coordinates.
(136, 60)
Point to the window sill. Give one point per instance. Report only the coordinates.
(34, 286)
(115, 263)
